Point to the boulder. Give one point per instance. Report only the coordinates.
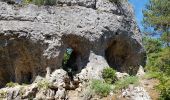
(47, 94)
(59, 78)
(136, 93)
(60, 94)
(29, 91)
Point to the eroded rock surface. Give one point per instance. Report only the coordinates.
(136, 93)
(33, 39)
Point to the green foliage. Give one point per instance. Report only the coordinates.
(109, 75)
(150, 75)
(164, 87)
(65, 64)
(50, 2)
(152, 45)
(158, 55)
(165, 37)
(11, 84)
(27, 1)
(100, 88)
(157, 13)
(163, 61)
(43, 84)
(38, 2)
(67, 55)
(159, 61)
(157, 16)
(41, 2)
(125, 82)
(158, 66)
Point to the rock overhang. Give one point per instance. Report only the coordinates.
(91, 32)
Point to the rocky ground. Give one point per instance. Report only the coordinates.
(59, 87)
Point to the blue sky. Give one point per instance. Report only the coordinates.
(139, 5)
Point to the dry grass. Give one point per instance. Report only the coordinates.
(150, 87)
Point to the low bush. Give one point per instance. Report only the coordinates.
(159, 61)
(164, 87)
(109, 75)
(41, 2)
(11, 84)
(100, 88)
(125, 82)
(43, 84)
(150, 75)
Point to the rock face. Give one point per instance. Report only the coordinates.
(136, 93)
(33, 39)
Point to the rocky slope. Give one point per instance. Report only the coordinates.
(33, 41)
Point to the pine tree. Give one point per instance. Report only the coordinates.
(157, 16)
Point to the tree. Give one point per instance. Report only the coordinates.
(157, 16)
(152, 45)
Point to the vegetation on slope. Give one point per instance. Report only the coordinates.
(157, 43)
(109, 75)
(111, 83)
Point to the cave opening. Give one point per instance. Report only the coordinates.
(116, 55)
(69, 63)
(26, 78)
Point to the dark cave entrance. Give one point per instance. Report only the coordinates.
(26, 78)
(69, 63)
(116, 55)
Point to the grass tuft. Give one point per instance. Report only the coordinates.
(100, 88)
(43, 84)
(125, 82)
(11, 84)
(109, 75)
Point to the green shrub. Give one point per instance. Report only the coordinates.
(11, 84)
(164, 87)
(109, 75)
(100, 88)
(43, 84)
(41, 2)
(159, 61)
(124, 83)
(38, 2)
(27, 1)
(150, 75)
(67, 55)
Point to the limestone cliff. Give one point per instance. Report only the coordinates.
(33, 39)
